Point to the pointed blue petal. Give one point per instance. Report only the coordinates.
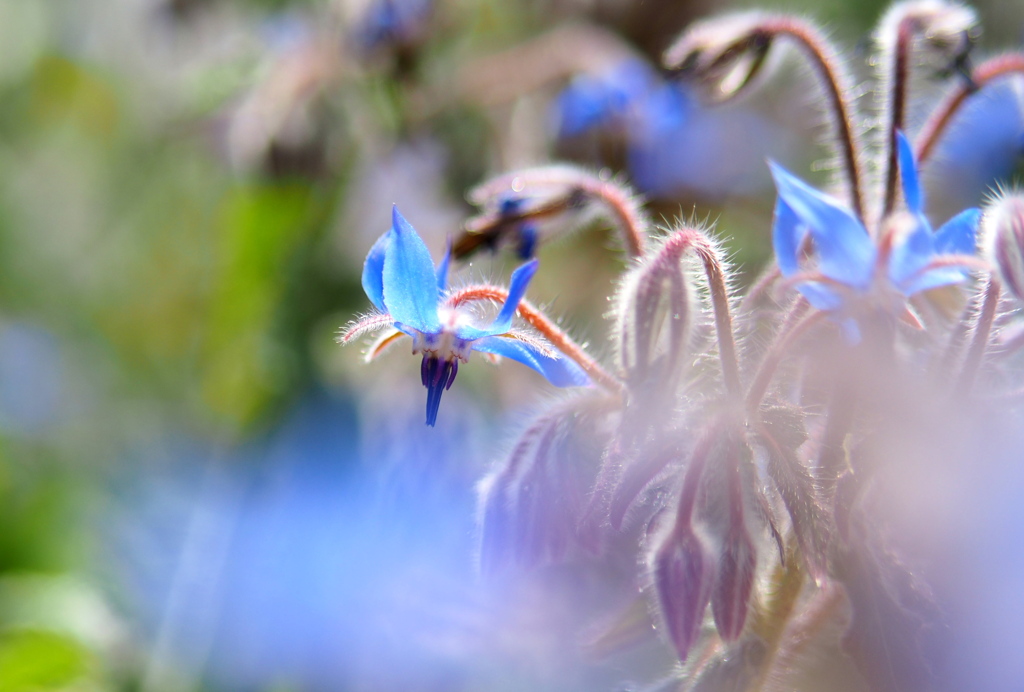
(821, 296)
(845, 251)
(933, 278)
(373, 272)
(787, 235)
(442, 268)
(516, 290)
(908, 173)
(409, 281)
(957, 236)
(911, 255)
(560, 371)
(503, 322)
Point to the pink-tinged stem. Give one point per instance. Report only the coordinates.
(980, 337)
(982, 76)
(827, 67)
(897, 108)
(723, 314)
(796, 325)
(539, 321)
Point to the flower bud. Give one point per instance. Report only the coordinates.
(652, 313)
(1002, 228)
(947, 31)
(722, 55)
(682, 577)
(734, 582)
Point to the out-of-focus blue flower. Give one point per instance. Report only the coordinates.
(620, 96)
(393, 22)
(400, 279)
(851, 267)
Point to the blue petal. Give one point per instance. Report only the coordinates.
(933, 278)
(373, 272)
(957, 236)
(410, 284)
(911, 255)
(516, 290)
(560, 371)
(821, 296)
(787, 235)
(908, 173)
(844, 250)
(442, 269)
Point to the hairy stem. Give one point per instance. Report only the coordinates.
(723, 314)
(897, 108)
(833, 79)
(796, 325)
(980, 337)
(539, 321)
(982, 76)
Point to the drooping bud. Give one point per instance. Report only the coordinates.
(734, 582)
(530, 505)
(722, 55)
(945, 32)
(1002, 228)
(653, 310)
(526, 208)
(683, 571)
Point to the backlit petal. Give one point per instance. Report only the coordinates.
(957, 236)
(410, 284)
(908, 173)
(559, 370)
(373, 272)
(845, 251)
(787, 235)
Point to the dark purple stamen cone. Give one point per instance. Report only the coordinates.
(730, 598)
(437, 376)
(682, 577)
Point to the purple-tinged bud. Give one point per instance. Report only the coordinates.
(734, 582)
(683, 574)
(1002, 228)
(652, 313)
(722, 55)
(530, 506)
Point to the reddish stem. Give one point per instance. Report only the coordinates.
(539, 321)
(982, 76)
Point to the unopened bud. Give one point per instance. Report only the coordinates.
(1003, 231)
(730, 598)
(683, 577)
(947, 31)
(653, 315)
(722, 55)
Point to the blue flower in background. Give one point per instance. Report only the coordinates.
(393, 22)
(402, 283)
(629, 95)
(850, 265)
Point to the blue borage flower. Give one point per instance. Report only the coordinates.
(852, 269)
(402, 283)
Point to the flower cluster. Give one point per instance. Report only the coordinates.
(744, 442)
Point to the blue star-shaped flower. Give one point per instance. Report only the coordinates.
(400, 280)
(852, 270)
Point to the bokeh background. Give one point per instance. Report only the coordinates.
(198, 488)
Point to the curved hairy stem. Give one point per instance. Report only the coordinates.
(539, 321)
(983, 75)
